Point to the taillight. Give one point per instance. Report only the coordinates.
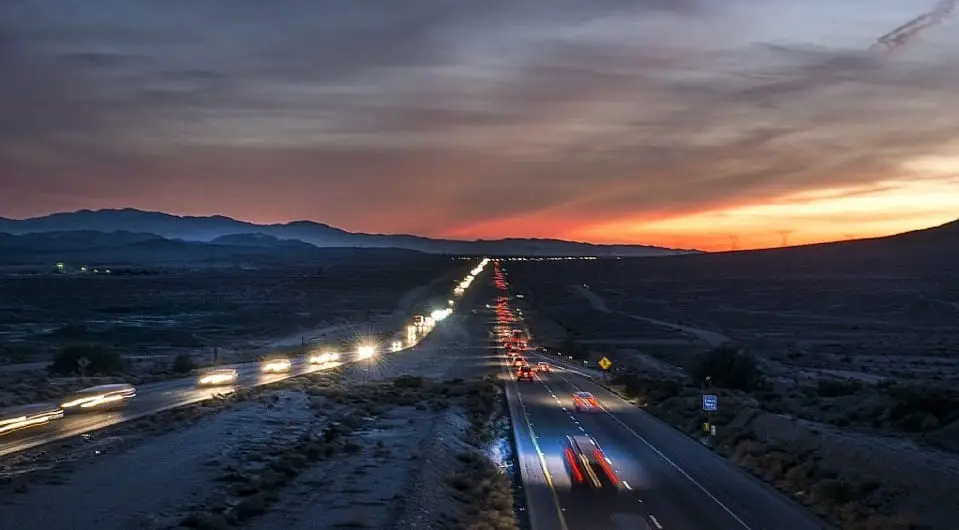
(601, 458)
(577, 474)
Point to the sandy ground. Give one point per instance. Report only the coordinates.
(367, 479)
(711, 338)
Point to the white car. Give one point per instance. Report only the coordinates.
(323, 358)
(277, 366)
(218, 377)
(101, 397)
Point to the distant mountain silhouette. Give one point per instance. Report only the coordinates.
(87, 247)
(212, 229)
(259, 240)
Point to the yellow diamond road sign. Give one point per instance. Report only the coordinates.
(605, 363)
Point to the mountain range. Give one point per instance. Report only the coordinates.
(135, 236)
(87, 229)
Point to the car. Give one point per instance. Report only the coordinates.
(323, 357)
(276, 366)
(525, 373)
(100, 397)
(218, 377)
(518, 361)
(543, 367)
(26, 416)
(585, 402)
(588, 465)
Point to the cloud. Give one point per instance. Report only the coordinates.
(459, 117)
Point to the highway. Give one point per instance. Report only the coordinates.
(157, 397)
(150, 399)
(668, 480)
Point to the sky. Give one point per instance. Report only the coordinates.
(686, 123)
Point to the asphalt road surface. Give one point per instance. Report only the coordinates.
(670, 481)
(150, 399)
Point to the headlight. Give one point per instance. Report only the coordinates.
(323, 358)
(366, 351)
(276, 366)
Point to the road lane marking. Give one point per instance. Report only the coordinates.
(668, 461)
(655, 521)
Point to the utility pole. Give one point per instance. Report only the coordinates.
(784, 237)
(733, 242)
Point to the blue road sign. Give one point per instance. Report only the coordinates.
(709, 402)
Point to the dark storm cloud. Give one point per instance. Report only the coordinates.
(442, 114)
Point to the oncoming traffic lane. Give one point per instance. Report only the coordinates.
(23, 434)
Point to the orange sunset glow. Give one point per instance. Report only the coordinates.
(715, 126)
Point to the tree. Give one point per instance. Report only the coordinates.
(727, 366)
(184, 363)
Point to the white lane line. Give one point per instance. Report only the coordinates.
(626, 485)
(655, 521)
(671, 463)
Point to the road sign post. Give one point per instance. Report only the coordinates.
(605, 363)
(710, 405)
(82, 363)
(709, 402)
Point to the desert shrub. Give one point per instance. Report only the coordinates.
(911, 400)
(183, 363)
(728, 367)
(408, 381)
(929, 423)
(101, 361)
(833, 491)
